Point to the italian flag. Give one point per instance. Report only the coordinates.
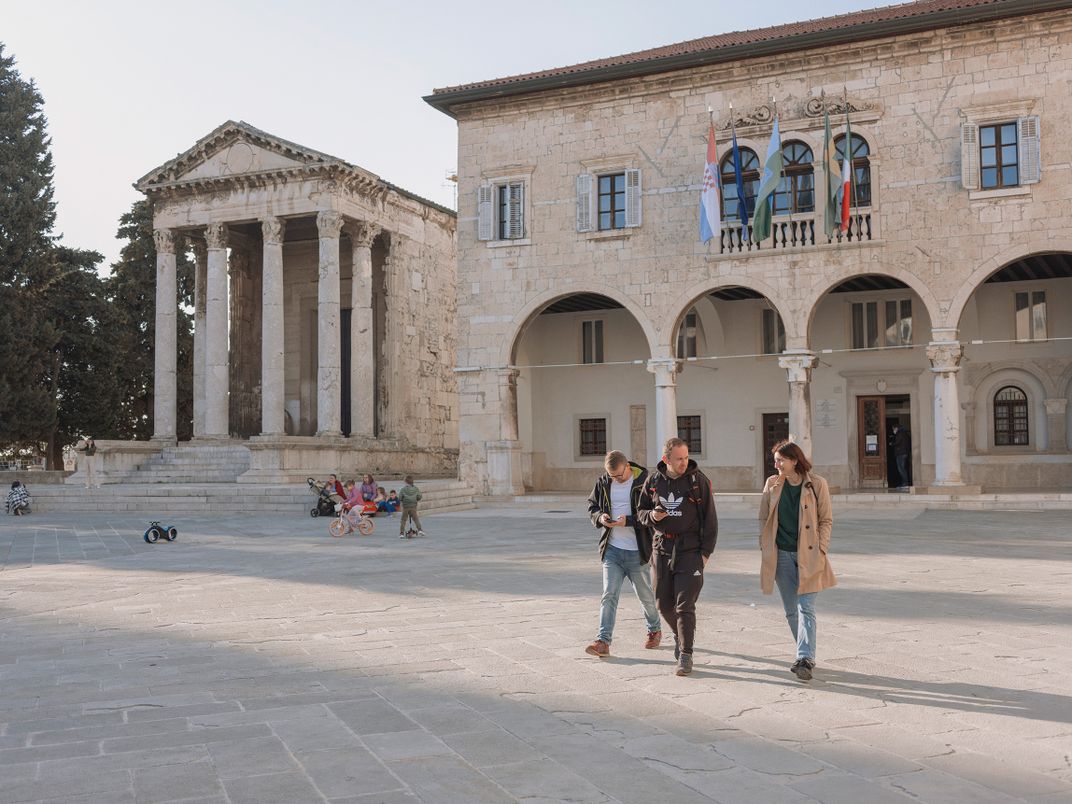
(846, 176)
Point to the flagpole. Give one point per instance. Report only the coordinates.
(789, 206)
(852, 161)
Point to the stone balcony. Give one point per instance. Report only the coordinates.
(795, 232)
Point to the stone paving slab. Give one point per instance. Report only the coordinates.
(257, 659)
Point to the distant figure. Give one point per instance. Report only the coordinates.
(18, 500)
(383, 504)
(410, 496)
(368, 488)
(353, 496)
(336, 493)
(901, 442)
(88, 461)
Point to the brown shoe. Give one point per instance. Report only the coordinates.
(598, 648)
(655, 638)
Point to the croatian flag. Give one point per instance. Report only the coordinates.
(846, 176)
(710, 215)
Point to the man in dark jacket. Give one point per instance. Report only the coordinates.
(901, 442)
(678, 504)
(624, 547)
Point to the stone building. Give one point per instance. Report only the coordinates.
(590, 315)
(324, 302)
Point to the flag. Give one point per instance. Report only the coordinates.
(710, 214)
(832, 218)
(846, 175)
(768, 183)
(742, 202)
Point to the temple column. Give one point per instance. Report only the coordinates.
(362, 345)
(217, 359)
(165, 388)
(504, 455)
(200, 280)
(1056, 427)
(665, 371)
(329, 348)
(798, 366)
(272, 396)
(945, 358)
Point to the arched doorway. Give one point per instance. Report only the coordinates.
(582, 388)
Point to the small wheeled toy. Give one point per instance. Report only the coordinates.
(325, 506)
(156, 531)
(349, 521)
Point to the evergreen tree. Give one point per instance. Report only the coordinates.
(27, 267)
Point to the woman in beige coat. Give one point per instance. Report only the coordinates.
(795, 523)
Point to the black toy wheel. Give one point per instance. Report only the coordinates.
(314, 512)
(152, 534)
(172, 534)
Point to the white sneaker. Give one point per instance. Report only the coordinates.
(420, 533)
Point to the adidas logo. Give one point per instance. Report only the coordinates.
(672, 504)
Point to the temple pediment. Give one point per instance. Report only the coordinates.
(234, 149)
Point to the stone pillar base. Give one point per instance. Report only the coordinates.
(958, 490)
(504, 469)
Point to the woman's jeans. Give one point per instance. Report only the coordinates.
(619, 564)
(799, 609)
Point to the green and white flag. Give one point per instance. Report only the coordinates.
(768, 184)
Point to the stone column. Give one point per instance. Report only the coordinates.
(665, 371)
(508, 428)
(969, 427)
(504, 455)
(200, 280)
(217, 359)
(272, 396)
(328, 347)
(798, 366)
(1056, 428)
(945, 363)
(362, 344)
(165, 387)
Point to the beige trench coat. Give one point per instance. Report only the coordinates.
(816, 522)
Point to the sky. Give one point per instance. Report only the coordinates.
(128, 85)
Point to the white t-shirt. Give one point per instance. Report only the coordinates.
(624, 537)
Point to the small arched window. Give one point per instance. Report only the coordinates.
(796, 190)
(750, 175)
(861, 167)
(1010, 417)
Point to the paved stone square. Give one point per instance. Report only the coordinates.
(257, 659)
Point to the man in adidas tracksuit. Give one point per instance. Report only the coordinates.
(678, 505)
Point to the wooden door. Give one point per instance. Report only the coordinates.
(871, 425)
(775, 429)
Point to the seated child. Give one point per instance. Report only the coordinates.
(18, 500)
(383, 503)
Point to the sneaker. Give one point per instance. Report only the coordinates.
(402, 536)
(677, 649)
(654, 639)
(598, 648)
(420, 533)
(684, 664)
(802, 669)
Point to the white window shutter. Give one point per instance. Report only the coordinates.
(1030, 154)
(516, 210)
(632, 197)
(484, 209)
(969, 156)
(584, 202)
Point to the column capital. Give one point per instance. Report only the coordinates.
(273, 230)
(665, 370)
(216, 235)
(362, 233)
(798, 365)
(164, 240)
(328, 223)
(945, 356)
(1056, 407)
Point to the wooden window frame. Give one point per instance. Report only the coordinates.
(691, 438)
(1010, 418)
(617, 189)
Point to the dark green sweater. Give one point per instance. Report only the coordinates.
(789, 516)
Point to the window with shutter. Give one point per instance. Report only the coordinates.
(584, 202)
(510, 214)
(632, 197)
(969, 156)
(1030, 154)
(484, 212)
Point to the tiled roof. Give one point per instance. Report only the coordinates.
(857, 25)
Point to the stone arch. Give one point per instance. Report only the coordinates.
(917, 285)
(666, 339)
(1031, 383)
(959, 302)
(536, 305)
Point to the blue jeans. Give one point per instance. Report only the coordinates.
(619, 564)
(902, 469)
(799, 609)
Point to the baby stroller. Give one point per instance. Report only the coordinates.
(325, 506)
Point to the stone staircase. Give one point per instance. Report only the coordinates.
(191, 463)
(161, 498)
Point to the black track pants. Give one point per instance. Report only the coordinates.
(676, 592)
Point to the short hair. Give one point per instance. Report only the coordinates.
(409, 479)
(672, 444)
(614, 459)
(788, 449)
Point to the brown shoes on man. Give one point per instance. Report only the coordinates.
(654, 639)
(598, 648)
